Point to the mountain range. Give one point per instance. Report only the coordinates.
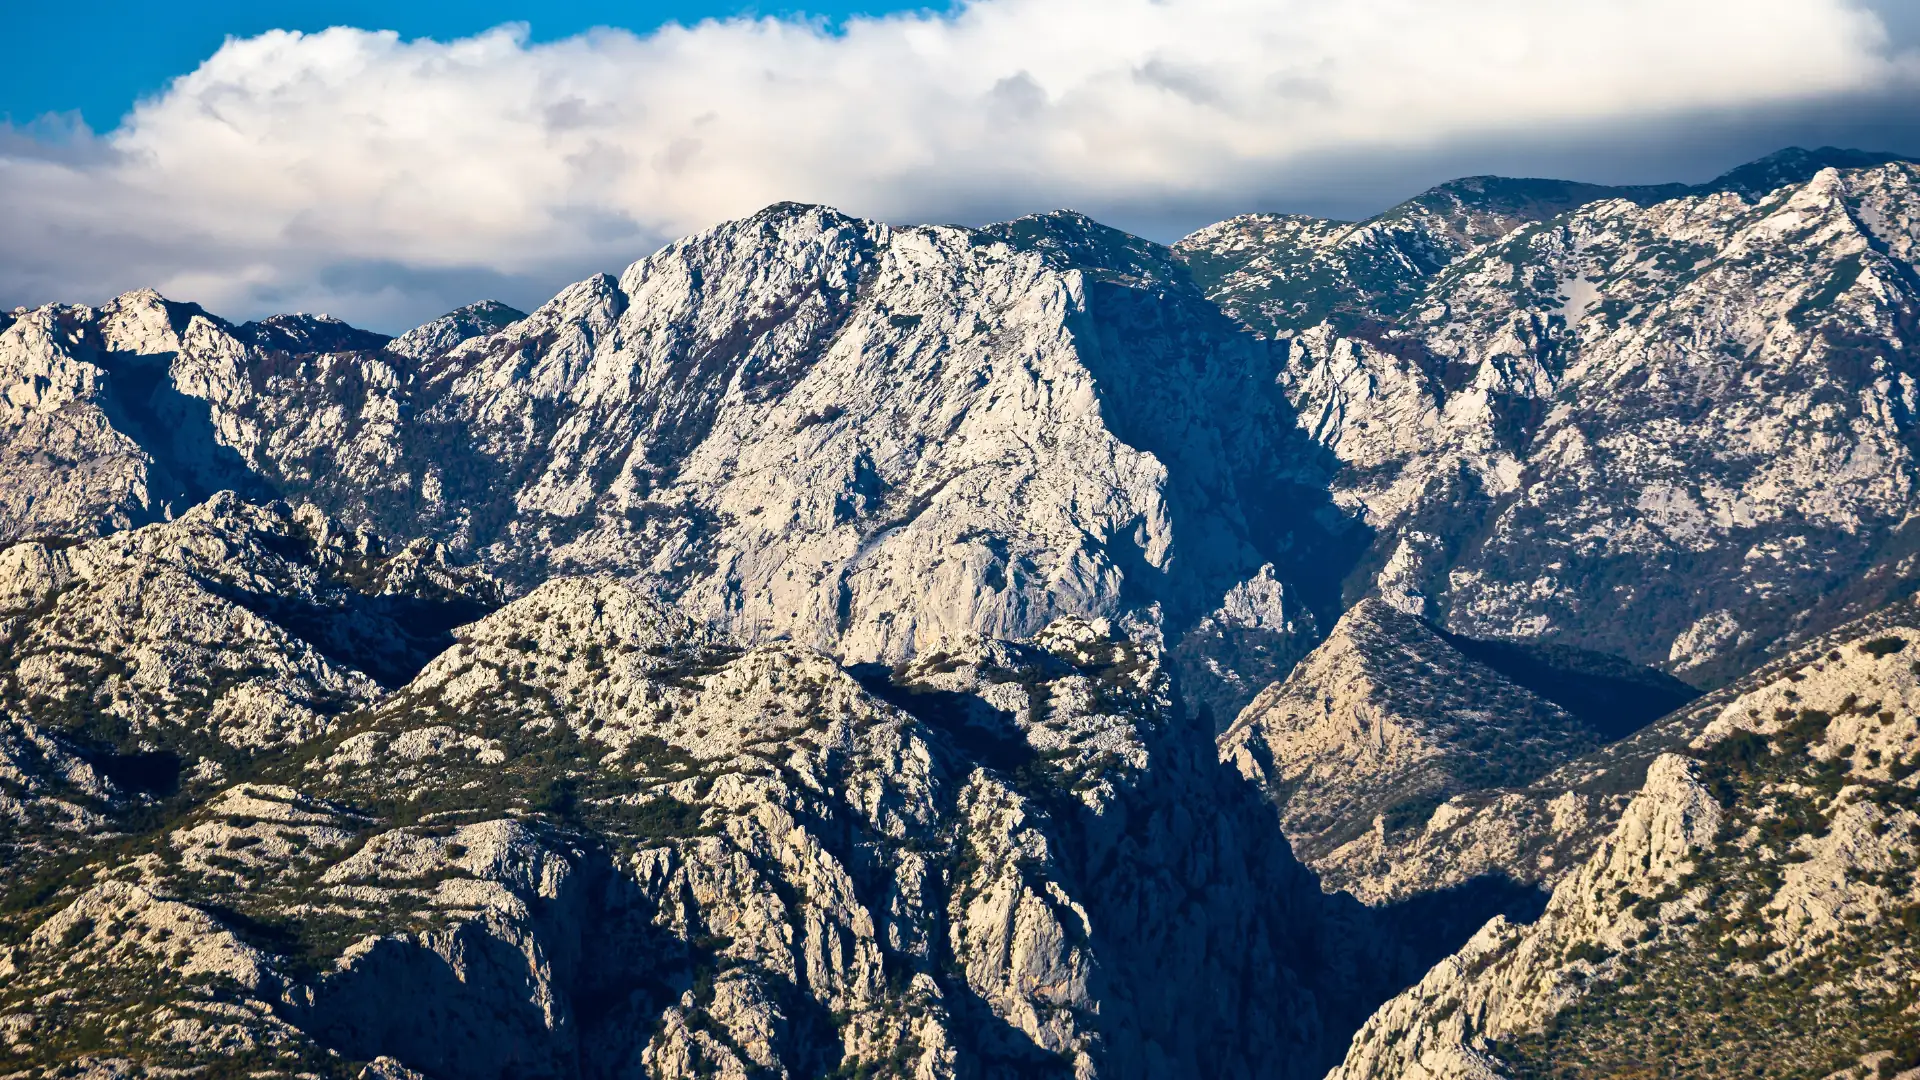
(1464, 643)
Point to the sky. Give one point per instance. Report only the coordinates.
(387, 162)
(130, 50)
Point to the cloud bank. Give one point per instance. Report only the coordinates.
(384, 180)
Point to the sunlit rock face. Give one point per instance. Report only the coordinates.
(1674, 426)
(1774, 844)
(594, 838)
(798, 425)
(803, 654)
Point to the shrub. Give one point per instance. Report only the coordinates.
(1590, 951)
(1883, 646)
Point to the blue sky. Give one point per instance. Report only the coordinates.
(97, 57)
(413, 158)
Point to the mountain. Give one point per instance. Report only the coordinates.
(869, 438)
(799, 424)
(1366, 742)
(594, 838)
(1676, 433)
(802, 654)
(113, 416)
(142, 669)
(1754, 903)
(1286, 273)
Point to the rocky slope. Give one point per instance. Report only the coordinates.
(1287, 273)
(144, 667)
(1556, 401)
(1678, 432)
(1754, 904)
(137, 410)
(1389, 719)
(801, 424)
(595, 838)
(879, 591)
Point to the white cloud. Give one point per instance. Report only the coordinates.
(352, 169)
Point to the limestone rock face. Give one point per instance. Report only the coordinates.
(430, 340)
(1675, 426)
(1778, 847)
(149, 663)
(1366, 742)
(137, 410)
(1281, 273)
(596, 838)
(800, 424)
(1286, 273)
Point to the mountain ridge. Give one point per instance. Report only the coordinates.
(803, 651)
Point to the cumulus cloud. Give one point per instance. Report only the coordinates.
(385, 179)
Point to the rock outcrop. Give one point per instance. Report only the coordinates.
(1753, 903)
(595, 838)
(1368, 739)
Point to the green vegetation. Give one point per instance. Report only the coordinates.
(1719, 996)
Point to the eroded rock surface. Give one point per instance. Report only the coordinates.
(1671, 426)
(595, 838)
(1776, 854)
(1364, 745)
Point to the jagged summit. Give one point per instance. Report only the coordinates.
(1390, 717)
(1615, 410)
(1286, 272)
(303, 333)
(865, 437)
(433, 338)
(1795, 165)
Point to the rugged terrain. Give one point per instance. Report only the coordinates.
(593, 838)
(1753, 907)
(800, 424)
(1367, 743)
(802, 654)
(1680, 431)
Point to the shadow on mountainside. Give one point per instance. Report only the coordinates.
(189, 463)
(1613, 696)
(389, 637)
(1209, 933)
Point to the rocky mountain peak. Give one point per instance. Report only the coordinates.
(1388, 718)
(431, 339)
(303, 333)
(866, 599)
(1795, 165)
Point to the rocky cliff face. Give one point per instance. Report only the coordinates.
(596, 838)
(1753, 903)
(142, 408)
(870, 438)
(800, 424)
(1283, 274)
(1678, 432)
(1369, 739)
